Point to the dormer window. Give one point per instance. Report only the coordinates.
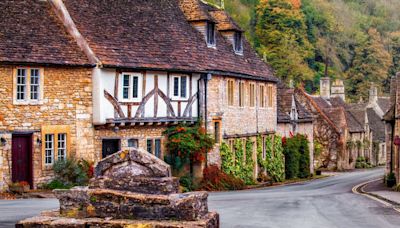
(238, 43)
(211, 34)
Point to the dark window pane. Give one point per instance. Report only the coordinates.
(183, 86)
(150, 146)
(126, 87)
(176, 86)
(135, 87)
(217, 131)
(211, 33)
(157, 148)
(238, 42)
(133, 143)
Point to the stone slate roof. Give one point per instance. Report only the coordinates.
(354, 123)
(376, 124)
(337, 116)
(384, 103)
(155, 34)
(195, 10)
(285, 99)
(224, 21)
(321, 102)
(30, 32)
(337, 102)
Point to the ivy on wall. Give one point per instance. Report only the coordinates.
(234, 162)
(274, 161)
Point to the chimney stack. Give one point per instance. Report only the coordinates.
(373, 94)
(338, 89)
(325, 87)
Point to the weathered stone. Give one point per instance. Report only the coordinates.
(165, 185)
(132, 163)
(104, 203)
(211, 220)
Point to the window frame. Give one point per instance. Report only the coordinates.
(133, 139)
(153, 146)
(211, 38)
(270, 102)
(28, 86)
(129, 87)
(252, 95)
(238, 42)
(261, 94)
(180, 87)
(230, 92)
(56, 131)
(242, 94)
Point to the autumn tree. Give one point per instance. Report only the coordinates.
(370, 65)
(282, 39)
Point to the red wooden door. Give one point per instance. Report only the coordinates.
(22, 158)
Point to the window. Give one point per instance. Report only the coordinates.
(252, 95)
(150, 146)
(157, 148)
(133, 143)
(269, 94)
(154, 147)
(238, 46)
(180, 86)
(28, 85)
(62, 146)
(49, 149)
(241, 94)
(211, 34)
(217, 131)
(131, 86)
(264, 154)
(230, 92)
(55, 144)
(262, 96)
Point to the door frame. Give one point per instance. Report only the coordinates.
(29, 137)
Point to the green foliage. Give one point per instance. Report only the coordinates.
(234, 163)
(187, 183)
(274, 163)
(186, 145)
(297, 158)
(362, 163)
(69, 173)
(390, 180)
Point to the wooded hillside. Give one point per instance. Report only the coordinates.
(355, 40)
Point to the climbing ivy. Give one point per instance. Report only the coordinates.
(274, 162)
(234, 163)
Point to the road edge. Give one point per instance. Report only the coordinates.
(359, 190)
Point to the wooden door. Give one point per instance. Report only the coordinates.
(110, 146)
(22, 158)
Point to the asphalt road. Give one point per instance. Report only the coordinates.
(321, 203)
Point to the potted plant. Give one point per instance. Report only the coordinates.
(19, 187)
(390, 180)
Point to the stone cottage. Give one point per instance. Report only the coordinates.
(293, 118)
(89, 78)
(45, 94)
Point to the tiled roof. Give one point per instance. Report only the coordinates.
(376, 124)
(195, 10)
(224, 21)
(337, 116)
(285, 99)
(337, 102)
(155, 34)
(384, 103)
(30, 32)
(321, 102)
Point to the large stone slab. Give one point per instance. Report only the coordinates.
(53, 220)
(107, 203)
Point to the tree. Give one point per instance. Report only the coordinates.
(282, 37)
(370, 65)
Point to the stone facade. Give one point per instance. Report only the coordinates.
(66, 103)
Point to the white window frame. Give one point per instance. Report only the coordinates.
(172, 83)
(28, 86)
(130, 98)
(23, 86)
(61, 146)
(49, 149)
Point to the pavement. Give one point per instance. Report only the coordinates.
(378, 188)
(326, 203)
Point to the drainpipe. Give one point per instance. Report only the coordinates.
(206, 78)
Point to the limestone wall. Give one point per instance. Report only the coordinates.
(66, 103)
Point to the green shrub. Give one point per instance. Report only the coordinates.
(297, 157)
(274, 163)
(187, 183)
(69, 173)
(362, 163)
(390, 180)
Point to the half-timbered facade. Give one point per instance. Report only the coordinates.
(109, 75)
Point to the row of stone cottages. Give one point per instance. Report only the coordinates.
(88, 78)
